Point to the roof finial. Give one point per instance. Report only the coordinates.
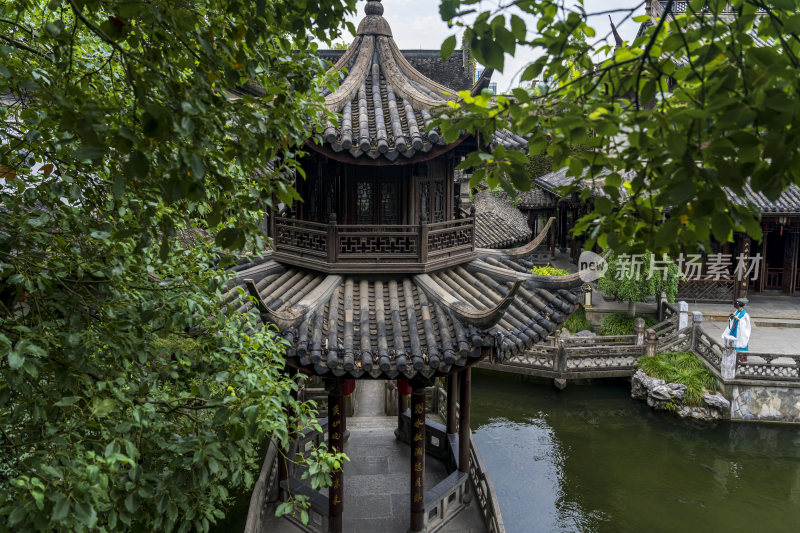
(617, 38)
(374, 7)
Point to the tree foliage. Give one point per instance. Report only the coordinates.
(636, 277)
(131, 396)
(696, 106)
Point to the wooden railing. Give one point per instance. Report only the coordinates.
(707, 290)
(364, 248)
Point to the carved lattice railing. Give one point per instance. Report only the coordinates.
(708, 349)
(761, 366)
(707, 290)
(374, 248)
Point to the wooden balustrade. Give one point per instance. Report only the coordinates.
(340, 248)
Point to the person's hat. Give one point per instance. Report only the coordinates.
(742, 301)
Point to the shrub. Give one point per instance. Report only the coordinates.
(622, 323)
(577, 321)
(548, 270)
(684, 368)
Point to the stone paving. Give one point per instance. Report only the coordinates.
(376, 481)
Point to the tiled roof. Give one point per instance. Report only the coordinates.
(788, 203)
(384, 104)
(497, 223)
(536, 198)
(426, 324)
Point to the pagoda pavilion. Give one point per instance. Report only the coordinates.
(376, 274)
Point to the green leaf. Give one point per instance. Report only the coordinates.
(15, 360)
(230, 238)
(60, 509)
(89, 153)
(103, 407)
(448, 46)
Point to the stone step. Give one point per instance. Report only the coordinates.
(358, 423)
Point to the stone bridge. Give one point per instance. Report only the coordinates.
(760, 386)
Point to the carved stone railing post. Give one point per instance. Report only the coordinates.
(662, 305)
(333, 239)
(560, 364)
(638, 330)
(683, 316)
(728, 364)
(651, 341)
(423, 238)
(697, 327)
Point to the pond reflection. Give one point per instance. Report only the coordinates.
(589, 458)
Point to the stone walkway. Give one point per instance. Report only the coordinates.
(376, 480)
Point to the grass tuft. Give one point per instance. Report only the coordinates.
(684, 368)
(622, 323)
(577, 321)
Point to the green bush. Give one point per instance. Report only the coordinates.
(577, 321)
(548, 270)
(622, 323)
(683, 368)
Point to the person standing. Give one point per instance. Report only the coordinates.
(739, 327)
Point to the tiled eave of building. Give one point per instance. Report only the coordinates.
(787, 203)
(385, 107)
(498, 224)
(389, 327)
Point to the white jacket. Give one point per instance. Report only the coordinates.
(742, 331)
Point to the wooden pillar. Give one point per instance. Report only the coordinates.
(743, 283)
(562, 228)
(452, 424)
(418, 457)
(423, 238)
(553, 237)
(336, 417)
(403, 392)
(465, 390)
(333, 247)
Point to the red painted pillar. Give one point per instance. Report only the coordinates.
(418, 457)
(403, 391)
(336, 421)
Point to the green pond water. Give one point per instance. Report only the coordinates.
(589, 458)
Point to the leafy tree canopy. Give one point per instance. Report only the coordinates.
(131, 398)
(697, 105)
(635, 277)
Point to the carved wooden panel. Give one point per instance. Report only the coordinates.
(364, 203)
(451, 238)
(379, 244)
(390, 203)
(301, 238)
(438, 201)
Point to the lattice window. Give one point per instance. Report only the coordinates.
(390, 203)
(364, 208)
(438, 201)
(312, 202)
(424, 199)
